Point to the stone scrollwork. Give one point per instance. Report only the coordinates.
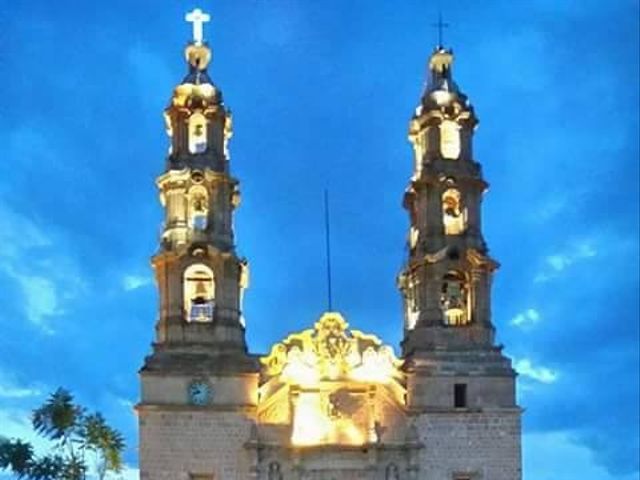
(330, 351)
(329, 383)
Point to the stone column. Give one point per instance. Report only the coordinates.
(373, 435)
(481, 312)
(431, 286)
(434, 226)
(475, 301)
(469, 203)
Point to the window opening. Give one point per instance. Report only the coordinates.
(199, 212)
(392, 472)
(274, 471)
(450, 139)
(197, 133)
(453, 299)
(454, 215)
(460, 395)
(199, 293)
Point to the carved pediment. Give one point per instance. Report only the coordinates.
(330, 351)
(330, 386)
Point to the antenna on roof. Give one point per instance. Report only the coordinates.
(328, 248)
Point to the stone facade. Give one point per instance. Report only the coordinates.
(481, 444)
(327, 403)
(176, 444)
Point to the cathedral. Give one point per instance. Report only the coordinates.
(328, 402)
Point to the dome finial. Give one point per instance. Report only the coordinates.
(197, 52)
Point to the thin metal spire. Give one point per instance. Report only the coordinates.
(328, 248)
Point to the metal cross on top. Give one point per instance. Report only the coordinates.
(440, 26)
(197, 17)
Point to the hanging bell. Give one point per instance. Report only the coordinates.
(201, 289)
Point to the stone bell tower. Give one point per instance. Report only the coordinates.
(200, 277)
(446, 281)
(460, 386)
(199, 381)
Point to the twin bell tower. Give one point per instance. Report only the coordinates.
(328, 402)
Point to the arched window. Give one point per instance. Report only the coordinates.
(412, 304)
(450, 139)
(414, 236)
(454, 299)
(420, 146)
(454, 215)
(275, 472)
(392, 472)
(199, 293)
(197, 133)
(198, 207)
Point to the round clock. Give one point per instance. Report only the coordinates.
(199, 392)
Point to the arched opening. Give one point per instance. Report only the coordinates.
(454, 299)
(454, 215)
(450, 139)
(420, 147)
(197, 133)
(392, 472)
(198, 208)
(199, 293)
(412, 304)
(413, 237)
(275, 472)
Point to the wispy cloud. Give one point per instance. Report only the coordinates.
(127, 408)
(45, 276)
(558, 262)
(16, 424)
(526, 368)
(526, 319)
(40, 299)
(130, 473)
(133, 282)
(18, 233)
(564, 458)
(550, 208)
(10, 389)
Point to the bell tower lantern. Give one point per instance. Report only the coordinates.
(449, 336)
(445, 282)
(200, 277)
(199, 380)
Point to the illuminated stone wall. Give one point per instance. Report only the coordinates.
(175, 444)
(330, 385)
(479, 445)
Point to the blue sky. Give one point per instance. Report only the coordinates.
(321, 94)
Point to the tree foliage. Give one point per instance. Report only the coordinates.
(77, 437)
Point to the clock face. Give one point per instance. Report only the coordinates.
(199, 393)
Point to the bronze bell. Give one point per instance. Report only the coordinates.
(201, 289)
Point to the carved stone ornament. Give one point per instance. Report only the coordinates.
(330, 351)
